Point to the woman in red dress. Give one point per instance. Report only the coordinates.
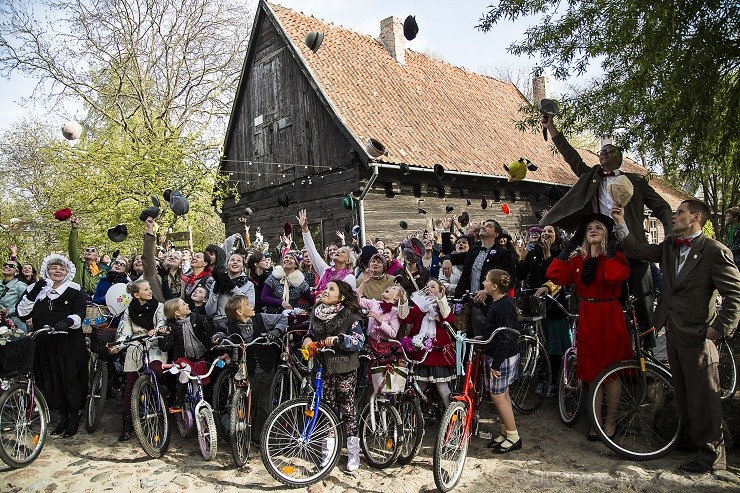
(598, 271)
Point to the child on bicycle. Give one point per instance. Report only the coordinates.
(261, 360)
(143, 315)
(501, 360)
(382, 319)
(427, 333)
(335, 322)
(188, 337)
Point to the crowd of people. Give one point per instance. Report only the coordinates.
(358, 295)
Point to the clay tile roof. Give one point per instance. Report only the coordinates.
(425, 112)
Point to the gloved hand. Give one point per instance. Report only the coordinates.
(218, 279)
(63, 325)
(273, 335)
(161, 271)
(37, 287)
(569, 248)
(611, 247)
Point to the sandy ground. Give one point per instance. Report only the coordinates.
(554, 458)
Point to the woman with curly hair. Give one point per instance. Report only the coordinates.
(598, 271)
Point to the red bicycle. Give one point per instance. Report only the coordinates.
(460, 420)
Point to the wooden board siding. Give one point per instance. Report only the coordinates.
(281, 127)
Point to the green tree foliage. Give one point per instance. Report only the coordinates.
(669, 87)
(155, 78)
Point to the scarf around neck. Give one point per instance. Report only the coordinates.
(331, 274)
(143, 315)
(327, 312)
(193, 347)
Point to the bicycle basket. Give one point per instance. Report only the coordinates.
(389, 379)
(100, 336)
(16, 357)
(530, 305)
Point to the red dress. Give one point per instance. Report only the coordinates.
(443, 352)
(602, 332)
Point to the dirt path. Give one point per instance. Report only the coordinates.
(554, 458)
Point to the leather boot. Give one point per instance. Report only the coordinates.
(63, 422)
(128, 427)
(353, 453)
(74, 424)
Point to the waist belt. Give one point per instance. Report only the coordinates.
(592, 300)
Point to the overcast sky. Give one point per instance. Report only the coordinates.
(446, 29)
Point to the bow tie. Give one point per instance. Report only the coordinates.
(682, 241)
(606, 173)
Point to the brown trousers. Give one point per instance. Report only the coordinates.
(696, 382)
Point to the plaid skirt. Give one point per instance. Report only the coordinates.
(509, 372)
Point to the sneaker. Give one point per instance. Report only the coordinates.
(551, 390)
(540, 388)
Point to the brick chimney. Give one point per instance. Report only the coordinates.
(540, 88)
(391, 35)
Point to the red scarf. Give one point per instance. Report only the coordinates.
(191, 279)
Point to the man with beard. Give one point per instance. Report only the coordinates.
(225, 285)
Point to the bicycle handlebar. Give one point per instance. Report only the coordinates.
(132, 339)
(464, 298)
(227, 343)
(560, 305)
(185, 369)
(405, 354)
(453, 333)
(46, 329)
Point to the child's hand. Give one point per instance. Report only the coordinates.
(495, 373)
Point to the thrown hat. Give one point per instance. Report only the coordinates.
(467, 201)
(621, 189)
(63, 214)
(283, 200)
(594, 216)
(505, 208)
(152, 212)
(403, 224)
(287, 229)
(410, 28)
(248, 211)
(405, 169)
(439, 171)
(179, 204)
(166, 193)
(422, 211)
(414, 247)
(71, 130)
(118, 233)
(449, 209)
(155, 200)
(484, 203)
(464, 219)
(356, 230)
(368, 251)
(348, 202)
(313, 40)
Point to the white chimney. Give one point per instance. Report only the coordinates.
(540, 88)
(391, 35)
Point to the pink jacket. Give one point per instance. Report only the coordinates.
(387, 328)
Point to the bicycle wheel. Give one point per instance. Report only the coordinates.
(284, 386)
(293, 457)
(207, 434)
(223, 391)
(151, 421)
(645, 428)
(727, 370)
(185, 421)
(451, 447)
(379, 440)
(571, 393)
(240, 424)
(98, 394)
(23, 423)
(412, 429)
(534, 369)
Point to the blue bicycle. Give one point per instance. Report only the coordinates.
(302, 438)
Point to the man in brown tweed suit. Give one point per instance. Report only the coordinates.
(695, 269)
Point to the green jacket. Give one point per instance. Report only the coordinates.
(83, 276)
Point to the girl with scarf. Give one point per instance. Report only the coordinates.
(188, 336)
(382, 319)
(143, 315)
(427, 334)
(286, 286)
(344, 259)
(335, 322)
(116, 274)
(597, 271)
(200, 271)
(60, 361)
(225, 285)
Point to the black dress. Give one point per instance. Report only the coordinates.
(60, 361)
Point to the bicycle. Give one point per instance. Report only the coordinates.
(24, 413)
(302, 437)
(648, 424)
(240, 407)
(195, 409)
(529, 390)
(100, 335)
(460, 420)
(148, 410)
(290, 378)
(727, 370)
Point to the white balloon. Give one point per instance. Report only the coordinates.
(71, 130)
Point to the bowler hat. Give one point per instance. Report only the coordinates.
(283, 200)
(356, 230)
(314, 40)
(63, 214)
(152, 212)
(439, 171)
(118, 233)
(71, 130)
(449, 209)
(348, 202)
(483, 203)
(593, 216)
(179, 204)
(405, 169)
(464, 219)
(403, 224)
(248, 211)
(410, 28)
(166, 193)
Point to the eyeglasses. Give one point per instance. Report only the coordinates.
(120, 263)
(91, 250)
(607, 151)
(12, 266)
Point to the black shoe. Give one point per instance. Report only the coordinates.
(128, 426)
(695, 467)
(63, 423)
(508, 446)
(592, 437)
(496, 442)
(73, 426)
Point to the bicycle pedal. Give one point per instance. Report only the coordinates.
(175, 410)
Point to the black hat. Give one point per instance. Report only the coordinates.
(283, 200)
(405, 169)
(367, 253)
(410, 28)
(179, 204)
(439, 171)
(167, 193)
(314, 40)
(287, 229)
(152, 212)
(468, 201)
(422, 211)
(593, 216)
(483, 203)
(464, 219)
(118, 233)
(403, 224)
(356, 230)
(348, 228)
(155, 200)
(449, 209)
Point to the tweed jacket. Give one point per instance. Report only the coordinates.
(687, 305)
(566, 212)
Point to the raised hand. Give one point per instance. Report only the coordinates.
(303, 220)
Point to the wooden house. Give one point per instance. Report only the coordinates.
(301, 126)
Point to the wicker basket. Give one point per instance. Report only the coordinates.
(389, 379)
(16, 357)
(101, 335)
